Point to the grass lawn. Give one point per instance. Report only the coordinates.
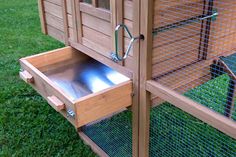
(29, 127)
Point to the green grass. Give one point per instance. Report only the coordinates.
(28, 126)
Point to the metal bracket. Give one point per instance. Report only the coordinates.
(115, 55)
(70, 113)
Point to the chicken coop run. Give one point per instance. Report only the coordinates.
(142, 77)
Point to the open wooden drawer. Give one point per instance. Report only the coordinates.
(80, 88)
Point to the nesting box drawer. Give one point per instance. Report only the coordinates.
(80, 88)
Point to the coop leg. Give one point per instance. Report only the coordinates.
(230, 98)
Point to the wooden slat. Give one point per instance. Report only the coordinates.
(96, 24)
(97, 37)
(54, 21)
(57, 2)
(128, 9)
(77, 21)
(97, 47)
(65, 21)
(97, 12)
(53, 9)
(70, 21)
(199, 111)
(69, 6)
(42, 16)
(56, 33)
(95, 3)
(119, 14)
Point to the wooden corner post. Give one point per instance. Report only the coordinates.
(42, 16)
(136, 69)
(146, 25)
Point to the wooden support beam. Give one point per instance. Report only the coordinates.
(146, 25)
(135, 69)
(42, 16)
(65, 21)
(95, 3)
(78, 21)
(199, 111)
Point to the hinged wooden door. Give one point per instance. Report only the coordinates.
(96, 21)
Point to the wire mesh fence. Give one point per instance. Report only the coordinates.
(194, 44)
(176, 133)
(193, 54)
(113, 135)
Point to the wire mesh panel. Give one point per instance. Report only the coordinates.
(194, 43)
(194, 53)
(113, 135)
(176, 133)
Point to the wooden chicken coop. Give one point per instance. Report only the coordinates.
(141, 77)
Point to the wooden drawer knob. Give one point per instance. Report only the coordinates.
(26, 76)
(56, 103)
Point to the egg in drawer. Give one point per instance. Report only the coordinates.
(82, 89)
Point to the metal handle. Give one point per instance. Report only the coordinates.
(115, 55)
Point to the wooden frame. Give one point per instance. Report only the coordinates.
(90, 29)
(145, 74)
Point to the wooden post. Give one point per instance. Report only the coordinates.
(76, 18)
(65, 21)
(146, 25)
(136, 69)
(95, 3)
(42, 16)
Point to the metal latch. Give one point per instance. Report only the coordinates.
(115, 55)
